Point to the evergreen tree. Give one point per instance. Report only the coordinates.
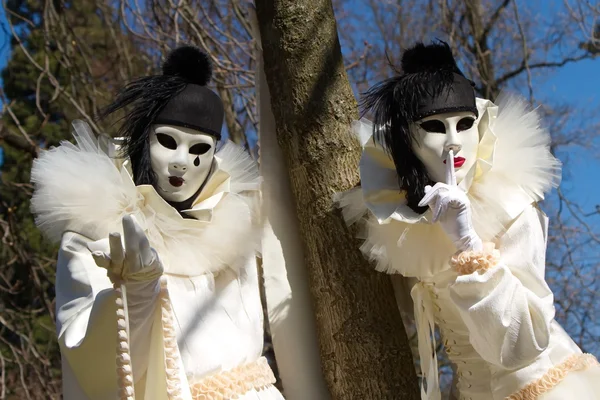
(67, 60)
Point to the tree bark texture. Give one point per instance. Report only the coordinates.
(363, 345)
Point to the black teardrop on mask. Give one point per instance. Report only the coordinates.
(197, 161)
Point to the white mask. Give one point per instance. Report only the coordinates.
(437, 134)
(181, 159)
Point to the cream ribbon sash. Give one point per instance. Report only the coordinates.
(426, 335)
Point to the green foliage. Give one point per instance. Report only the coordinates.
(70, 67)
(29, 340)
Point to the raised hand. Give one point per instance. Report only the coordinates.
(136, 262)
(452, 208)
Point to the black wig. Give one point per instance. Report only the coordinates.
(431, 83)
(177, 97)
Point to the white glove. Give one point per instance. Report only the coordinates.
(452, 208)
(138, 262)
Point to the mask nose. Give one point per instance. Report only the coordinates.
(454, 147)
(452, 140)
(179, 162)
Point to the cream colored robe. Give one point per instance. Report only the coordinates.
(209, 261)
(497, 326)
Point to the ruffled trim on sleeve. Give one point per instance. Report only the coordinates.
(576, 362)
(467, 262)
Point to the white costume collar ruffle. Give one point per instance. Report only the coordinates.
(79, 188)
(520, 159)
(514, 169)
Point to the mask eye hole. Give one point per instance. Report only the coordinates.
(465, 124)
(200, 148)
(166, 141)
(434, 125)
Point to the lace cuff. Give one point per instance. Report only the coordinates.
(576, 362)
(467, 262)
(234, 383)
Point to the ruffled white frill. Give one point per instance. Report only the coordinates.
(514, 169)
(79, 188)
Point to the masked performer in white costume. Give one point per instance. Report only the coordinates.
(449, 184)
(176, 228)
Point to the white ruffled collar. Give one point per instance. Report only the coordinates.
(514, 169)
(80, 188)
(503, 140)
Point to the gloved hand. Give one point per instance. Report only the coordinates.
(138, 262)
(452, 208)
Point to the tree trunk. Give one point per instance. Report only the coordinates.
(363, 345)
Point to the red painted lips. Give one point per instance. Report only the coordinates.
(176, 181)
(458, 162)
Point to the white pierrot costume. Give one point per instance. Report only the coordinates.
(497, 323)
(81, 195)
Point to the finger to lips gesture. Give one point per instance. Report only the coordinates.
(444, 194)
(450, 172)
(451, 207)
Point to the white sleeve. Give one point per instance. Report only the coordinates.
(508, 309)
(86, 318)
(289, 303)
(289, 310)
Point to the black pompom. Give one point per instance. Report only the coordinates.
(189, 63)
(430, 58)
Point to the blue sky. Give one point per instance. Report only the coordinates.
(578, 84)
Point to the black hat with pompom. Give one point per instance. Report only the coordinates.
(439, 85)
(196, 106)
(178, 96)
